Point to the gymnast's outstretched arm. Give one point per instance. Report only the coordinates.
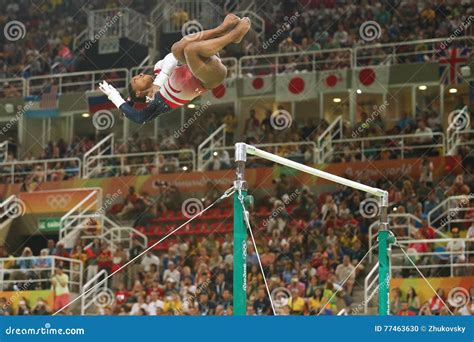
(151, 111)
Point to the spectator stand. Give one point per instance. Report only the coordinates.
(451, 212)
(206, 149)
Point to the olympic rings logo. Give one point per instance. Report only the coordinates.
(58, 201)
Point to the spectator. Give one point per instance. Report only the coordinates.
(60, 284)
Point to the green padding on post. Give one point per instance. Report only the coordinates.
(384, 273)
(240, 258)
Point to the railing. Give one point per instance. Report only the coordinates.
(231, 64)
(459, 132)
(401, 146)
(11, 208)
(439, 260)
(124, 236)
(450, 211)
(71, 223)
(143, 163)
(3, 151)
(102, 148)
(418, 51)
(216, 139)
(94, 297)
(41, 170)
(326, 139)
(77, 81)
(309, 61)
(36, 271)
(371, 286)
(302, 151)
(12, 87)
(402, 225)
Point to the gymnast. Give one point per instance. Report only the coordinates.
(192, 68)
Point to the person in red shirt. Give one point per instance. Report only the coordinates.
(104, 260)
(121, 294)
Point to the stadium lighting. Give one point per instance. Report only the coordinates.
(191, 106)
(336, 100)
(358, 91)
(453, 91)
(422, 87)
(185, 168)
(85, 115)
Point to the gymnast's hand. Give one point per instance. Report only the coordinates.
(112, 93)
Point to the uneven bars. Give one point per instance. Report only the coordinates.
(315, 172)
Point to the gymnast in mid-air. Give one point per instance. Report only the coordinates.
(192, 68)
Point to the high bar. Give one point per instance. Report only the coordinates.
(242, 148)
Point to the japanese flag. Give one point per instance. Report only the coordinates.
(296, 87)
(331, 81)
(372, 79)
(223, 93)
(258, 85)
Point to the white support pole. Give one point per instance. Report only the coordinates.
(315, 172)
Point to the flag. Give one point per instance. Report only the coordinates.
(223, 93)
(296, 87)
(98, 101)
(372, 79)
(258, 85)
(450, 62)
(44, 105)
(331, 81)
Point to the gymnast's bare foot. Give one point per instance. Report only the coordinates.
(241, 30)
(230, 21)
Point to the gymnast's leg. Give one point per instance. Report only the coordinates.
(230, 21)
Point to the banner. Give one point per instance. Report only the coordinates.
(49, 224)
(56, 200)
(331, 81)
(224, 93)
(296, 87)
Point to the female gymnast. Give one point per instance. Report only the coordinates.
(191, 69)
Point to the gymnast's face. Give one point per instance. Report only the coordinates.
(141, 83)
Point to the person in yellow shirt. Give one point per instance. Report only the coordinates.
(315, 302)
(296, 303)
(60, 286)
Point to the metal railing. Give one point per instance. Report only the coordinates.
(231, 64)
(71, 224)
(35, 272)
(417, 51)
(371, 286)
(311, 61)
(43, 170)
(93, 297)
(102, 148)
(77, 81)
(143, 163)
(450, 211)
(402, 225)
(325, 140)
(3, 151)
(206, 148)
(439, 260)
(404, 146)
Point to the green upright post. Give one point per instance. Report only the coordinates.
(240, 234)
(385, 239)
